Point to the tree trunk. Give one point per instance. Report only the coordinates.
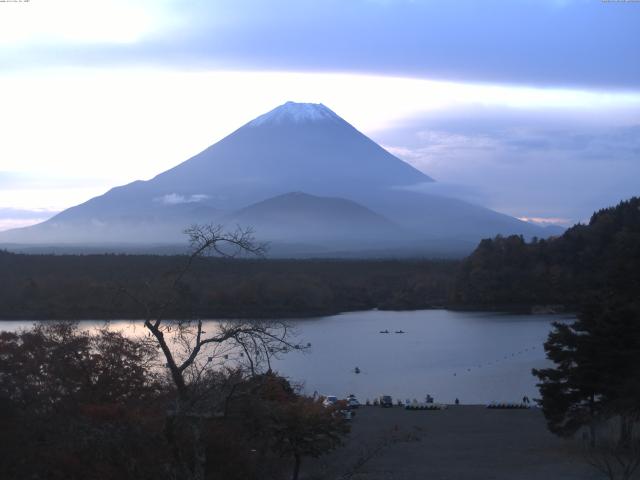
(592, 422)
(190, 456)
(592, 434)
(625, 431)
(296, 466)
(199, 450)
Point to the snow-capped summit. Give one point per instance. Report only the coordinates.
(296, 113)
(355, 194)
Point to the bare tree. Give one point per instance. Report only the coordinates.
(195, 357)
(617, 453)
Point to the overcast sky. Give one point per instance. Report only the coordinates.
(530, 107)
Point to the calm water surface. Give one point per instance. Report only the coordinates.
(476, 357)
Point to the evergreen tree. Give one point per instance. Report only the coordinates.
(600, 258)
(597, 368)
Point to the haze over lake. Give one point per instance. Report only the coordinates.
(477, 357)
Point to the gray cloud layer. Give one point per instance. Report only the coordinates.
(525, 163)
(539, 42)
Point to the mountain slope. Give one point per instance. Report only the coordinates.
(295, 147)
(320, 220)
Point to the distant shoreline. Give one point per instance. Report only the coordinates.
(524, 311)
(54, 287)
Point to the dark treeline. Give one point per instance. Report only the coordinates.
(594, 384)
(593, 387)
(89, 286)
(80, 405)
(586, 261)
(77, 405)
(502, 273)
(177, 402)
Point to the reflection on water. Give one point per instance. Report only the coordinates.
(476, 357)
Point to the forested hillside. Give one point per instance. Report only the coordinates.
(602, 257)
(502, 273)
(108, 286)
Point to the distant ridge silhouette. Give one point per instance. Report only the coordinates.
(356, 194)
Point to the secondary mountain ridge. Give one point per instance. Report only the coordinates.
(296, 147)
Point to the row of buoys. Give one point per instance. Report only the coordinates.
(425, 406)
(432, 406)
(505, 357)
(508, 406)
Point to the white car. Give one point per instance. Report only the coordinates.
(330, 400)
(352, 402)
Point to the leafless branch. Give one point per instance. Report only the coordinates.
(614, 458)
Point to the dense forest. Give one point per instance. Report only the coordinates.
(107, 286)
(589, 260)
(76, 405)
(502, 273)
(593, 386)
(179, 402)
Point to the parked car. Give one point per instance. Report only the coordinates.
(352, 402)
(330, 401)
(386, 401)
(347, 414)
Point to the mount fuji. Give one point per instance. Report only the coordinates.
(299, 175)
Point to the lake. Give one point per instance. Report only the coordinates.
(476, 357)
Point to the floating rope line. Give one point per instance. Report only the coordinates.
(507, 356)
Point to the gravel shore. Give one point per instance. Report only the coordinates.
(459, 443)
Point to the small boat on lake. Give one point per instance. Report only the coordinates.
(399, 331)
(384, 331)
